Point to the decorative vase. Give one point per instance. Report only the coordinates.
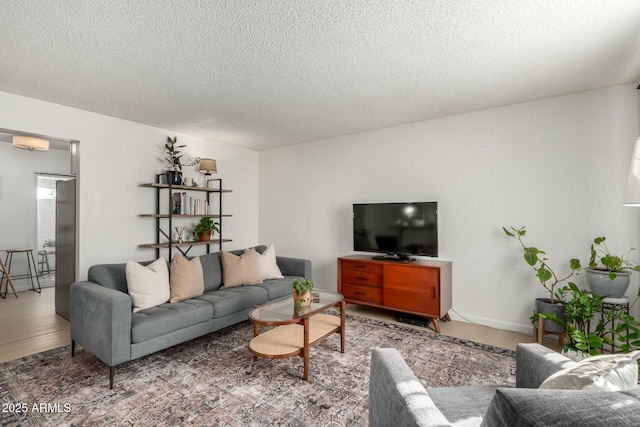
(302, 300)
(601, 284)
(174, 177)
(543, 305)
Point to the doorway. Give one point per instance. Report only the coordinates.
(46, 226)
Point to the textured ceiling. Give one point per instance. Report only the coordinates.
(262, 74)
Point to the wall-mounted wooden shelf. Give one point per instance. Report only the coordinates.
(164, 221)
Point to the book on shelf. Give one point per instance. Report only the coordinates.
(177, 203)
(198, 206)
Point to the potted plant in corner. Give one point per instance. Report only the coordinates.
(301, 292)
(202, 231)
(579, 316)
(608, 275)
(537, 259)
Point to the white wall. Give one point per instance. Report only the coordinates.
(556, 165)
(118, 155)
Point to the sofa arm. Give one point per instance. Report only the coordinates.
(396, 397)
(294, 266)
(535, 363)
(101, 321)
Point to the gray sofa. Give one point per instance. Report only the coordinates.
(396, 397)
(102, 321)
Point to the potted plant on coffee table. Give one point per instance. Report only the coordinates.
(202, 231)
(301, 292)
(608, 274)
(537, 259)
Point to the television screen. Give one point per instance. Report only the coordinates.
(396, 229)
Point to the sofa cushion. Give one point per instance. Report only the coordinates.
(232, 300)
(148, 285)
(610, 372)
(538, 408)
(266, 264)
(112, 276)
(211, 271)
(212, 268)
(157, 321)
(476, 401)
(186, 279)
(240, 270)
(277, 288)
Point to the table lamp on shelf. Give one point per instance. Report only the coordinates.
(208, 167)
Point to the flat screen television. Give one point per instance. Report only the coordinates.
(398, 230)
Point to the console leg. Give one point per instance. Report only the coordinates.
(436, 325)
(447, 317)
(112, 373)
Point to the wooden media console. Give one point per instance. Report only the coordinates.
(420, 287)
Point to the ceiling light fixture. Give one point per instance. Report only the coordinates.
(30, 143)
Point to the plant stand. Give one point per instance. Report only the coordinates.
(539, 332)
(615, 304)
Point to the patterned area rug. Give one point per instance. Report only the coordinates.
(213, 380)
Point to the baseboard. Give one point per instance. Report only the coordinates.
(498, 324)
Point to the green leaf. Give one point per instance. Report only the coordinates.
(574, 263)
(507, 232)
(599, 240)
(544, 274)
(530, 258)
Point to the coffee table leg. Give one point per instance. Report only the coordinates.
(343, 307)
(305, 350)
(256, 332)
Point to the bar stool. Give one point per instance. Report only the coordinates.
(33, 272)
(5, 273)
(43, 261)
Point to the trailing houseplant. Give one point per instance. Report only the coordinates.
(203, 229)
(609, 274)
(537, 259)
(301, 291)
(579, 312)
(602, 259)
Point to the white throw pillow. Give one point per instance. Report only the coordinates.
(611, 372)
(266, 264)
(148, 285)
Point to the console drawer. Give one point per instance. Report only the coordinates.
(364, 274)
(362, 293)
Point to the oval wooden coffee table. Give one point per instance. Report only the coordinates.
(295, 330)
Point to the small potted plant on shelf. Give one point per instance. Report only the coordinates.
(608, 274)
(173, 157)
(537, 259)
(202, 231)
(301, 292)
